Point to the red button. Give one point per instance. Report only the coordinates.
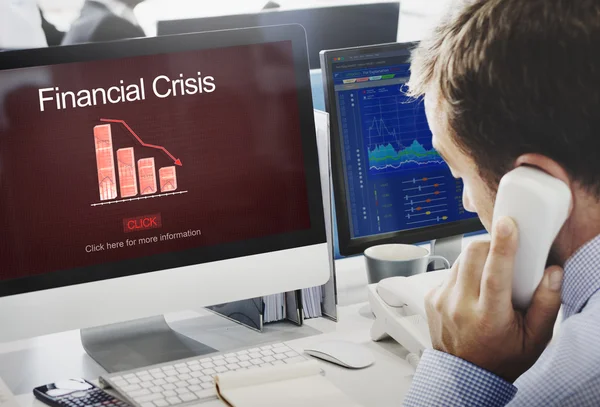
(143, 222)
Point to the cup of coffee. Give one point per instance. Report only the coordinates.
(393, 260)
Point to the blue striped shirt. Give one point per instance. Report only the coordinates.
(566, 374)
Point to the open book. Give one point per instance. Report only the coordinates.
(296, 385)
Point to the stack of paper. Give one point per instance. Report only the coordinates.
(312, 299)
(274, 308)
(311, 302)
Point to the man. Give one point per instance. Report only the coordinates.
(104, 20)
(509, 83)
(20, 25)
(53, 35)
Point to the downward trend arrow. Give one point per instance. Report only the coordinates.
(177, 161)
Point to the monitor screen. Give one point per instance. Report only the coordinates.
(394, 179)
(166, 157)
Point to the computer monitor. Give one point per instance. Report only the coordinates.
(390, 184)
(326, 27)
(153, 175)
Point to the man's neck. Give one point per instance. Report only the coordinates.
(582, 226)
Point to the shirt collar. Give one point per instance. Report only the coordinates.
(582, 277)
(120, 9)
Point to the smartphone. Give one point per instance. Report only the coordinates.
(76, 393)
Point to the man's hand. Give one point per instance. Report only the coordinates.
(471, 315)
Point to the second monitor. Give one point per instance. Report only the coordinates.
(390, 184)
(326, 27)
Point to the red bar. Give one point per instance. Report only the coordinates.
(105, 162)
(143, 222)
(127, 179)
(147, 175)
(167, 177)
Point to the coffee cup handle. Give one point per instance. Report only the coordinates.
(441, 258)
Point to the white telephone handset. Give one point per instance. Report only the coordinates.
(537, 202)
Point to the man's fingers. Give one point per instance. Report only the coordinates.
(436, 296)
(451, 276)
(496, 282)
(541, 315)
(471, 268)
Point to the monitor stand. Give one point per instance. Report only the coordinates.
(134, 344)
(448, 247)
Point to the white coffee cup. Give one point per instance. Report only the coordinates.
(392, 260)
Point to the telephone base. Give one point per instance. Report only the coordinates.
(410, 331)
(398, 305)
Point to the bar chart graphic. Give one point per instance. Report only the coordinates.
(168, 179)
(147, 176)
(137, 178)
(105, 163)
(127, 173)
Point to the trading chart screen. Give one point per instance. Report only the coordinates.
(395, 179)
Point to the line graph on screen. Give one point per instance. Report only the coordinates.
(398, 135)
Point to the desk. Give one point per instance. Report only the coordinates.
(37, 361)
(44, 359)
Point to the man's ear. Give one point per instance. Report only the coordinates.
(549, 166)
(545, 164)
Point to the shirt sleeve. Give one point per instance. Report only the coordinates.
(445, 380)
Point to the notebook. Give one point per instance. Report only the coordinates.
(297, 385)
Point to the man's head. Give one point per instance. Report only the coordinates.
(514, 82)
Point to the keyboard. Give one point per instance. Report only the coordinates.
(191, 381)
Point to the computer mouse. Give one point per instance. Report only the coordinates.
(342, 353)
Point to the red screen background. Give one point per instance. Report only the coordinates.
(240, 147)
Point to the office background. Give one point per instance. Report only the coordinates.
(416, 15)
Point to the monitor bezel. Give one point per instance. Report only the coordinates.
(347, 245)
(201, 255)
